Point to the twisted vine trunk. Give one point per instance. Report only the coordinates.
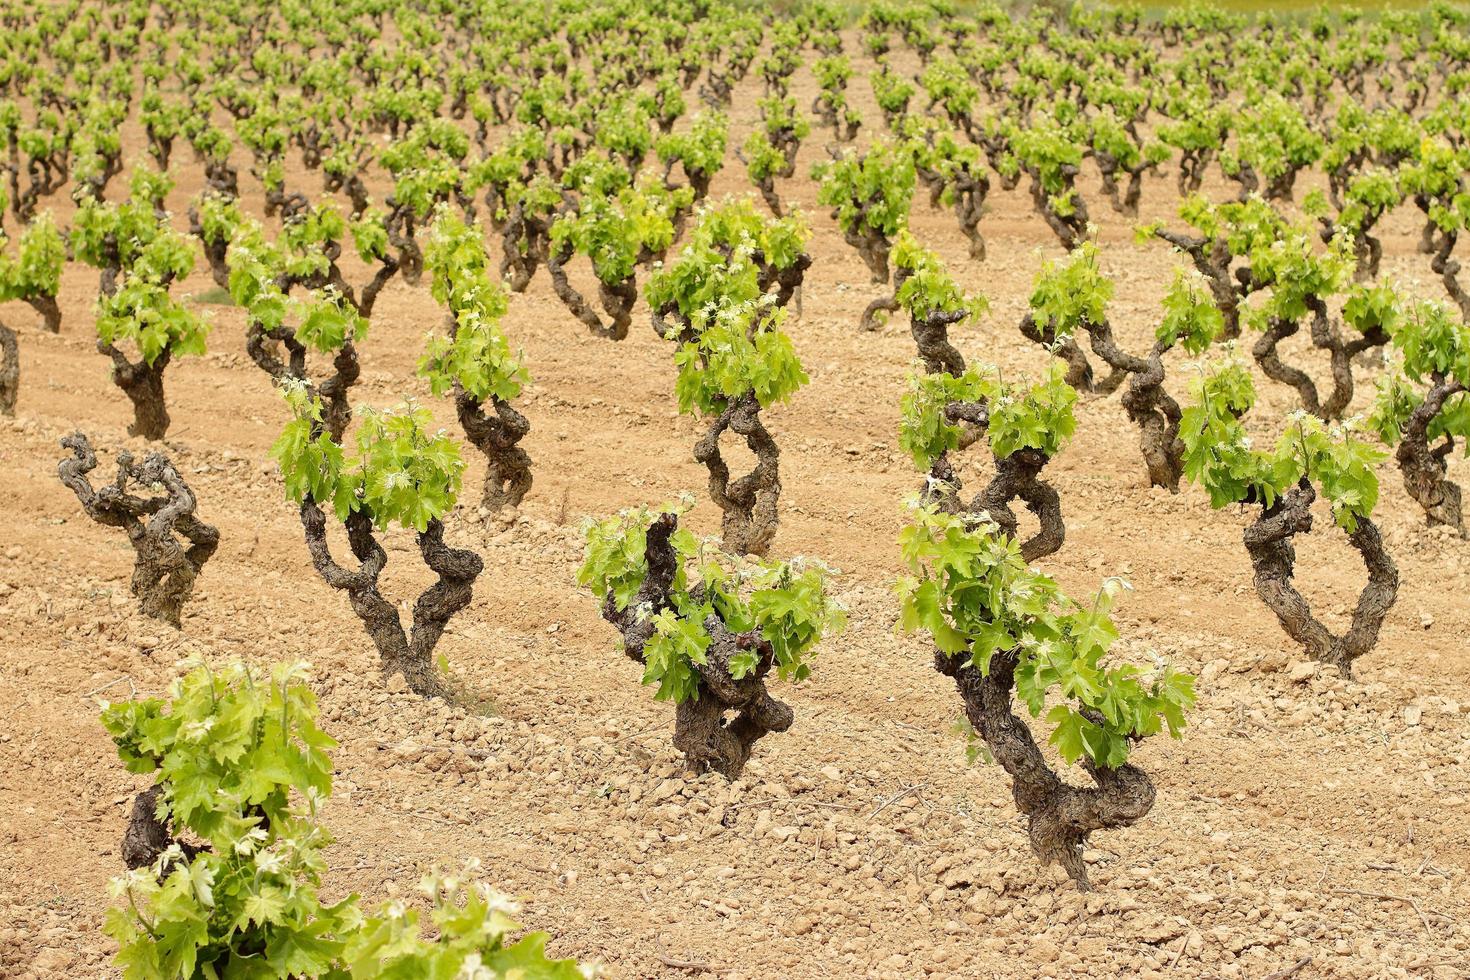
(1079, 369)
(787, 280)
(508, 466)
(931, 335)
(1192, 167)
(883, 304)
(363, 302)
(333, 392)
(1425, 469)
(164, 569)
(1325, 336)
(1249, 181)
(930, 330)
(1018, 477)
(1273, 556)
(1448, 269)
(352, 185)
(143, 384)
(1060, 817)
(332, 277)
(9, 370)
(767, 187)
(222, 178)
(617, 299)
(873, 247)
(1070, 229)
(748, 503)
(1157, 416)
(1148, 405)
(969, 206)
(216, 252)
(1124, 202)
(701, 732)
(408, 653)
(49, 311)
(1281, 187)
(400, 227)
(526, 240)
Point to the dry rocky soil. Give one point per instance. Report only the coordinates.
(1302, 816)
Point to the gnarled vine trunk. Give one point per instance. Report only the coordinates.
(707, 740)
(49, 311)
(1448, 270)
(400, 227)
(1325, 336)
(164, 570)
(1157, 416)
(9, 370)
(1273, 556)
(873, 247)
(1148, 405)
(527, 242)
(508, 466)
(969, 207)
(352, 185)
(1060, 816)
(1425, 468)
(216, 252)
(1018, 477)
(617, 299)
(143, 384)
(883, 304)
(1124, 202)
(748, 503)
(1070, 229)
(363, 302)
(408, 653)
(1192, 167)
(336, 409)
(1079, 369)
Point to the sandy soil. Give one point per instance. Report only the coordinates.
(1301, 816)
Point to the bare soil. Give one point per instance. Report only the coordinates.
(1302, 816)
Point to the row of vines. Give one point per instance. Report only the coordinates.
(463, 148)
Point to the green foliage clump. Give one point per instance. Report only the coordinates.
(1191, 320)
(1036, 416)
(869, 192)
(787, 602)
(404, 472)
(243, 767)
(1434, 351)
(721, 266)
(927, 285)
(478, 357)
(1072, 292)
(1220, 456)
(34, 270)
(968, 587)
(143, 312)
(618, 231)
(741, 350)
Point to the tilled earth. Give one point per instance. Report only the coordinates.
(1302, 816)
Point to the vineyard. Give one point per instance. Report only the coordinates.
(601, 488)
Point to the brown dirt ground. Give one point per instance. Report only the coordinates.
(1301, 816)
